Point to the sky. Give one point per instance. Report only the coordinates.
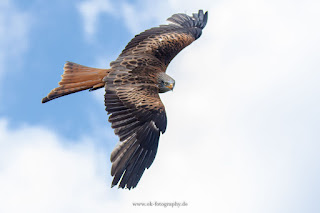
(243, 121)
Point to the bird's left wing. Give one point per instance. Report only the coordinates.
(166, 41)
(138, 116)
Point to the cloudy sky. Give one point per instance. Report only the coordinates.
(243, 122)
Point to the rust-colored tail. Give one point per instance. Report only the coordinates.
(77, 78)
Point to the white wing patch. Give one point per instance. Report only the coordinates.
(154, 125)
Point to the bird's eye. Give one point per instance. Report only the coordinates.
(166, 83)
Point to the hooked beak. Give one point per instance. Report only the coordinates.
(170, 86)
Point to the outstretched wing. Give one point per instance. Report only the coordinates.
(138, 116)
(132, 96)
(166, 41)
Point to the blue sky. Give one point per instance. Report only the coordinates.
(56, 35)
(243, 121)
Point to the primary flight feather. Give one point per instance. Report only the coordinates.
(132, 86)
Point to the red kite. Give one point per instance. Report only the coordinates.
(132, 85)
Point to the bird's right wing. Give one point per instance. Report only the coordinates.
(138, 116)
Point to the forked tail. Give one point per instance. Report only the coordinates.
(77, 78)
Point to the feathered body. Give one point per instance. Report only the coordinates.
(132, 86)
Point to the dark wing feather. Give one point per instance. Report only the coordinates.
(137, 113)
(166, 41)
(137, 116)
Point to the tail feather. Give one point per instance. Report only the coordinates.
(77, 78)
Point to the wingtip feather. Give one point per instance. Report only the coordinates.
(44, 100)
(196, 20)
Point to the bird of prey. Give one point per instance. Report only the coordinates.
(132, 86)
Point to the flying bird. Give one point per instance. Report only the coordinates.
(132, 86)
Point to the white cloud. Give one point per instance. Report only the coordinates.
(14, 28)
(90, 11)
(133, 18)
(242, 122)
(42, 172)
(142, 14)
(243, 132)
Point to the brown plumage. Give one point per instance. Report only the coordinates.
(77, 78)
(132, 85)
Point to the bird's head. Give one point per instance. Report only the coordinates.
(165, 83)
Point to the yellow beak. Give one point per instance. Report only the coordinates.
(170, 86)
